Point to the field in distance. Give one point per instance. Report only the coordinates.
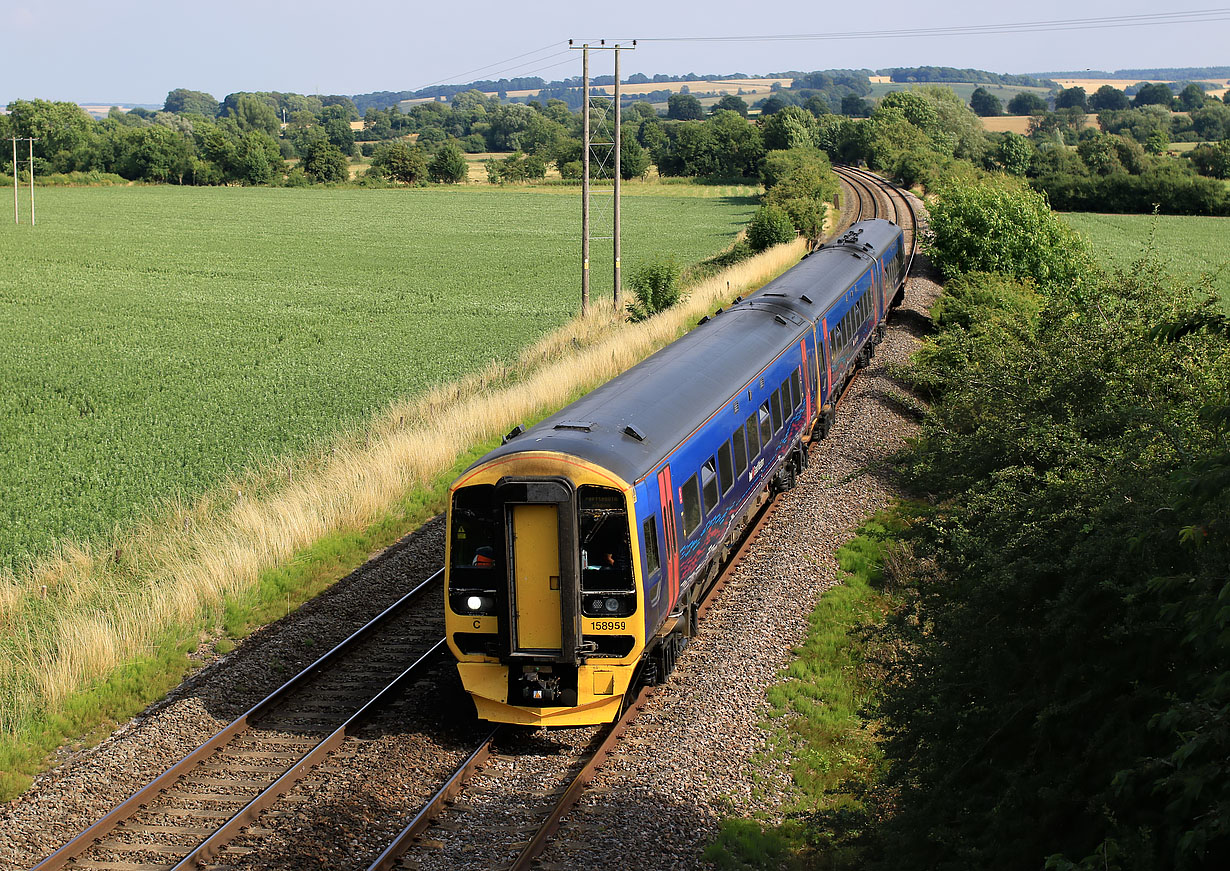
(1191, 247)
(155, 340)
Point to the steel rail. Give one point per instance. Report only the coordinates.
(211, 846)
(244, 723)
(435, 805)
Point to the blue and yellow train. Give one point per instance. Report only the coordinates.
(579, 549)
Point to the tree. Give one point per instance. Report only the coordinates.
(770, 225)
(253, 113)
(790, 128)
(730, 103)
(738, 145)
(854, 106)
(1108, 98)
(1014, 153)
(1026, 103)
(401, 162)
(1191, 98)
(1153, 94)
(633, 159)
(655, 288)
(184, 102)
(325, 162)
(449, 165)
(684, 107)
(985, 104)
(1072, 98)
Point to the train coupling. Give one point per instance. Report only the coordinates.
(539, 687)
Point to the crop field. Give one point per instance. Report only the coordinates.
(156, 340)
(1191, 247)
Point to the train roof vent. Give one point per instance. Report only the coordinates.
(635, 433)
(805, 298)
(771, 293)
(781, 320)
(513, 433)
(579, 425)
(703, 320)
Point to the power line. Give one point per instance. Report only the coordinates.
(1198, 16)
(453, 78)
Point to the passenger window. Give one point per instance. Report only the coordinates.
(766, 428)
(651, 545)
(796, 390)
(726, 466)
(753, 437)
(709, 485)
(691, 506)
(785, 394)
(775, 400)
(740, 452)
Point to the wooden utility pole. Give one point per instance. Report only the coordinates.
(586, 163)
(16, 211)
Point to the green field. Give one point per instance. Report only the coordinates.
(154, 340)
(1193, 248)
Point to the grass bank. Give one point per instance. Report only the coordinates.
(819, 721)
(92, 634)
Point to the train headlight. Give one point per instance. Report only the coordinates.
(612, 605)
(595, 605)
(474, 603)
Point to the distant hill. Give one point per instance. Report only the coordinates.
(943, 75)
(1170, 74)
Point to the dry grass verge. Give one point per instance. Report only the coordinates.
(74, 620)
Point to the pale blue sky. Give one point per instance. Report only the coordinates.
(136, 50)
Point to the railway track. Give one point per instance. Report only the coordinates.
(192, 815)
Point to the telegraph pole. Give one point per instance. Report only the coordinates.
(587, 146)
(16, 212)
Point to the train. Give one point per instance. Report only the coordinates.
(577, 552)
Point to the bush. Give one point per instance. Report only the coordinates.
(1002, 225)
(771, 225)
(449, 165)
(655, 288)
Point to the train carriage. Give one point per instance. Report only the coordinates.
(579, 549)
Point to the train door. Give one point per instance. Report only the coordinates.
(543, 600)
(826, 397)
(807, 378)
(536, 577)
(670, 550)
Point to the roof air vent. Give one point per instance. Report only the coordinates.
(516, 431)
(781, 320)
(578, 425)
(805, 298)
(635, 433)
(703, 320)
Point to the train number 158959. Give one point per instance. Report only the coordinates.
(609, 625)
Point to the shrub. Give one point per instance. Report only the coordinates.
(449, 165)
(1002, 225)
(771, 225)
(655, 288)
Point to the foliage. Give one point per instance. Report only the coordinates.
(1013, 154)
(731, 103)
(684, 107)
(770, 225)
(290, 315)
(1153, 94)
(324, 162)
(801, 181)
(655, 288)
(1061, 695)
(985, 104)
(185, 102)
(1108, 98)
(1026, 103)
(1001, 225)
(1072, 98)
(401, 162)
(1212, 160)
(448, 165)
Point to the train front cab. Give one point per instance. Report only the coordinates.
(543, 613)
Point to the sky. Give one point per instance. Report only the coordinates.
(135, 51)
